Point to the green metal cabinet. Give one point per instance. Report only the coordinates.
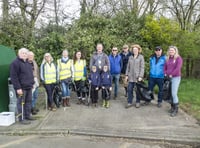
(7, 55)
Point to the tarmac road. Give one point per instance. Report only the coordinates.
(72, 141)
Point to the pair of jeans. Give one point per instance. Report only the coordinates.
(34, 97)
(26, 98)
(131, 86)
(174, 89)
(115, 78)
(65, 89)
(159, 82)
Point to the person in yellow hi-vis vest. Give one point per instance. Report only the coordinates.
(48, 75)
(80, 72)
(65, 76)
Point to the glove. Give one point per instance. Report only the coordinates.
(126, 79)
(103, 87)
(139, 79)
(90, 81)
(97, 88)
(110, 88)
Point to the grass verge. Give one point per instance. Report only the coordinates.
(189, 97)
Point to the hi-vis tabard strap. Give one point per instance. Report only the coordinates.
(64, 69)
(79, 70)
(50, 73)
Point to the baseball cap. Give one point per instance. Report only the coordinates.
(158, 48)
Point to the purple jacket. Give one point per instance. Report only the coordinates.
(21, 74)
(173, 67)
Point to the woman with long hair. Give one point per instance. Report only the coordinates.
(48, 75)
(80, 72)
(172, 69)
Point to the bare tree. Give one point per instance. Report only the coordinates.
(186, 12)
(112, 7)
(30, 11)
(5, 8)
(89, 6)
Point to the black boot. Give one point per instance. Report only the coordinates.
(126, 93)
(175, 111)
(36, 109)
(171, 109)
(33, 111)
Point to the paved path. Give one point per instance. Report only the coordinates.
(80, 141)
(147, 122)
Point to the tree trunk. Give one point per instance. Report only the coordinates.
(56, 12)
(196, 69)
(187, 67)
(5, 10)
(83, 4)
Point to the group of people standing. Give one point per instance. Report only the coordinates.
(162, 66)
(104, 69)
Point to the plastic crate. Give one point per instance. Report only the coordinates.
(7, 118)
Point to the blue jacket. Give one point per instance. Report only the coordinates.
(157, 66)
(125, 61)
(106, 79)
(94, 77)
(115, 64)
(21, 74)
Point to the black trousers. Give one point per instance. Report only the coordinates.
(27, 99)
(80, 86)
(49, 89)
(106, 93)
(94, 94)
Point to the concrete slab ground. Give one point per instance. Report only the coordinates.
(147, 122)
(80, 141)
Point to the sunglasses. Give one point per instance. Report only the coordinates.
(158, 50)
(114, 50)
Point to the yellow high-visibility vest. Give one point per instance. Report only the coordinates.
(64, 69)
(79, 70)
(49, 73)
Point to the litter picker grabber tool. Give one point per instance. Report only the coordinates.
(46, 101)
(22, 106)
(89, 93)
(22, 103)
